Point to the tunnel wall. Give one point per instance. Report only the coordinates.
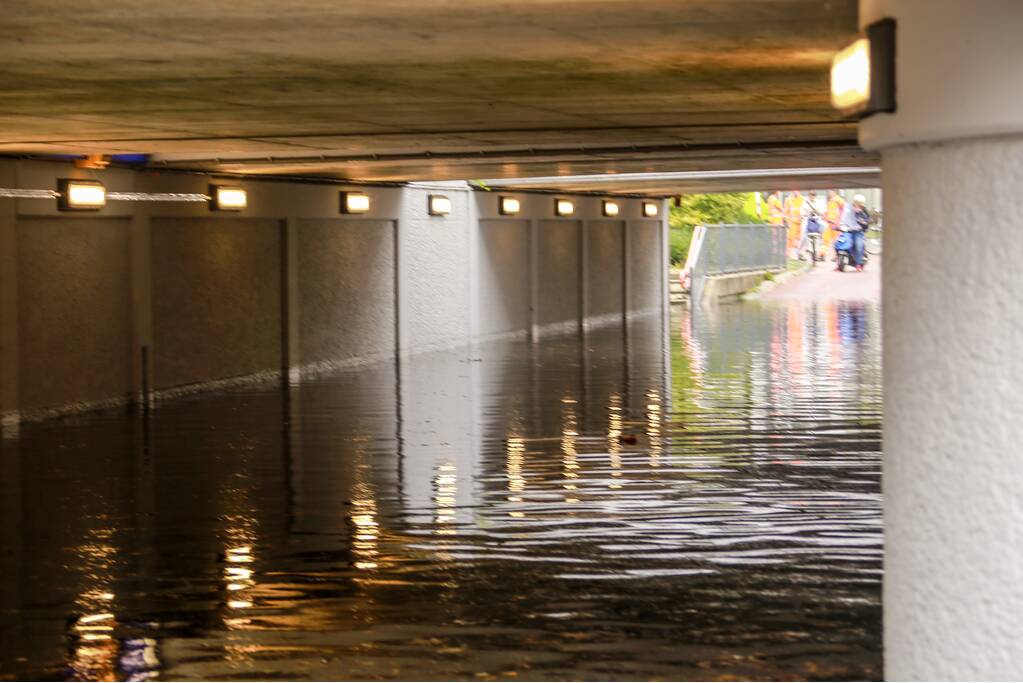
(218, 281)
(72, 271)
(353, 318)
(141, 300)
(504, 285)
(559, 274)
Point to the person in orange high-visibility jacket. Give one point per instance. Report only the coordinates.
(775, 209)
(833, 214)
(794, 219)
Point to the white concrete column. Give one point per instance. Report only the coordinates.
(952, 174)
(8, 303)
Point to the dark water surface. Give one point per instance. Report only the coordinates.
(564, 511)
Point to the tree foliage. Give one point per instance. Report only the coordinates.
(707, 209)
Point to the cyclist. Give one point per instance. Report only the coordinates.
(855, 219)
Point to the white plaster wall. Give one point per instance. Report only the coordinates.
(434, 265)
(953, 592)
(957, 70)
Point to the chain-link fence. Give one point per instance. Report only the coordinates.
(726, 249)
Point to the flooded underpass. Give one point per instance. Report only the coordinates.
(607, 510)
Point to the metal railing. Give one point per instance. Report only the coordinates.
(727, 249)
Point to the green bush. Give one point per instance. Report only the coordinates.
(707, 209)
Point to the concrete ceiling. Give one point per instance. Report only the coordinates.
(429, 89)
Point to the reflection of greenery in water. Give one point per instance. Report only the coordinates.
(733, 360)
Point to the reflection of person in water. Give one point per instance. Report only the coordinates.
(852, 321)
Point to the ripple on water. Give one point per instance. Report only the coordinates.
(558, 511)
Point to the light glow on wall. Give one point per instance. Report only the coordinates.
(228, 198)
(863, 74)
(563, 207)
(650, 209)
(80, 195)
(354, 202)
(439, 205)
(610, 208)
(850, 77)
(508, 206)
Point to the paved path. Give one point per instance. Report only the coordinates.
(824, 282)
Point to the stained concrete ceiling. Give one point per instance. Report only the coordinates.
(429, 89)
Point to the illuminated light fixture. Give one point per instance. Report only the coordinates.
(508, 206)
(563, 207)
(354, 202)
(80, 195)
(650, 209)
(863, 74)
(228, 198)
(439, 205)
(609, 208)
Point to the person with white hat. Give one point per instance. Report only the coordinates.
(855, 219)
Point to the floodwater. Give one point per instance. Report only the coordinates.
(597, 511)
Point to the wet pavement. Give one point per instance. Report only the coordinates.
(597, 511)
(824, 283)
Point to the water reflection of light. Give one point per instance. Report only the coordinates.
(654, 419)
(445, 489)
(515, 458)
(237, 575)
(365, 527)
(569, 450)
(94, 648)
(614, 437)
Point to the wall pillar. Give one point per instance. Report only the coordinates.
(8, 304)
(952, 169)
(584, 277)
(141, 289)
(534, 280)
(291, 360)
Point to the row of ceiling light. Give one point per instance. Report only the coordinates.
(91, 195)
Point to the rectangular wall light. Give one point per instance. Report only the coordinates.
(508, 206)
(609, 208)
(228, 198)
(650, 209)
(439, 205)
(863, 74)
(354, 202)
(563, 207)
(80, 195)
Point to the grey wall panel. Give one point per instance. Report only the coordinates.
(216, 298)
(504, 276)
(645, 271)
(346, 289)
(604, 267)
(559, 271)
(436, 252)
(73, 311)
